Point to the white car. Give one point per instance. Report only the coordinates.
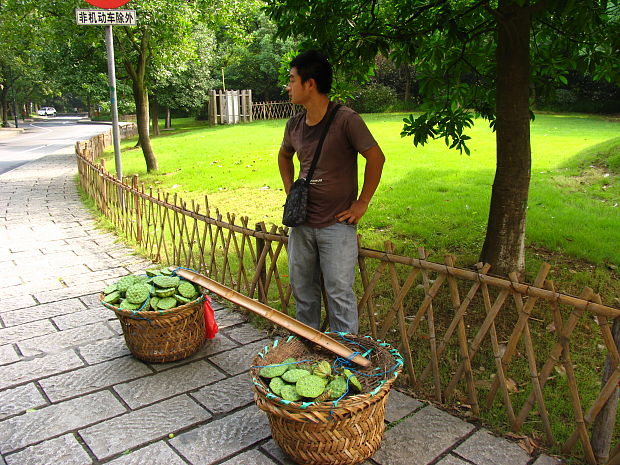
(47, 111)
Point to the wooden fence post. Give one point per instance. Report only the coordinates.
(134, 185)
(250, 115)
(603, 427)
(104, 196)
(262, 271)
(213, 108)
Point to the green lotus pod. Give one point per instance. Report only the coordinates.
(112, 297)
(109, 289)
(305, 366)
(294, 375)
(123, 284)
(327, 394)
(271, 371)
(337, 387)
(166, 281)
(291, 363)
(152, 272)
(126, 305)
(181, 299)
(166, 303)
(353, 380)
(276, 384)
(310, 386)
(168, 292)
(165, 271)
(137, 293)
(289, 392)
(187, 289)
(322, 369)
(153, 303)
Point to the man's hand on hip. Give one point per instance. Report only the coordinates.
(354, 213)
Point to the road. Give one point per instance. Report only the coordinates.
(43, 137)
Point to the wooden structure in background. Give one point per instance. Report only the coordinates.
(236, 106)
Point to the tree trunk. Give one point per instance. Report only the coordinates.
(4, 102)
(141, 98)
(504, 244)
(168, 119)
(405, 70)
(137, 74)
(155, 117)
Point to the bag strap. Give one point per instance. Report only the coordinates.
(319, 146)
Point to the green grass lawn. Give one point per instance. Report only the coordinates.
(429, 196)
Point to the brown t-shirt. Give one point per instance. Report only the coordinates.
(334, 184)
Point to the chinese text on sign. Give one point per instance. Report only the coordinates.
(106, 17)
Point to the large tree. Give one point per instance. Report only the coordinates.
(163, 40)
(186, 87)
(19, 66)
(255, 61)
(472, 58)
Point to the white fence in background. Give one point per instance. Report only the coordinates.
(236, 106)
(230, 106)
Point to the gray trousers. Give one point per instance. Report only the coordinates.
(331, 251)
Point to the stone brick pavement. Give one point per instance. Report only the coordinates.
(71, 394)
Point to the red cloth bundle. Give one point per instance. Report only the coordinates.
(211, 327)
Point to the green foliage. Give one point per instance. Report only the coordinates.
(373, 98)
(254, 63)
(452, 45)
(447, 124)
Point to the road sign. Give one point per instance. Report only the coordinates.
(109, 18)
(105, 17)
(107, 3)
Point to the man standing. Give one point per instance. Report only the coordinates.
(327, 242)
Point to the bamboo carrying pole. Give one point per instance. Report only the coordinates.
(273, 315)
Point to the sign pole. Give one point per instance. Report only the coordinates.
(116, 136)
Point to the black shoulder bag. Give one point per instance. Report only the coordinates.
(297, 198)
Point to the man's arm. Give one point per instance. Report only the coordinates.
(372, 175)
(287, 168)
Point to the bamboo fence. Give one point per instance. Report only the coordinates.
(469, 339)
(274, 110)
(236, 106)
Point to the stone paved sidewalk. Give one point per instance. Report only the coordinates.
(71, 394)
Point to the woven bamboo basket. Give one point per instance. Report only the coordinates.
(345, 432)
(163, 336)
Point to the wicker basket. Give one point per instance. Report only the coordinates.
(321, 433)
(163, 336)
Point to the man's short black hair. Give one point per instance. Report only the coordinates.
(313, 64)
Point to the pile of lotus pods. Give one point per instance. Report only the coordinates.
(156, 290)
(297, 381)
